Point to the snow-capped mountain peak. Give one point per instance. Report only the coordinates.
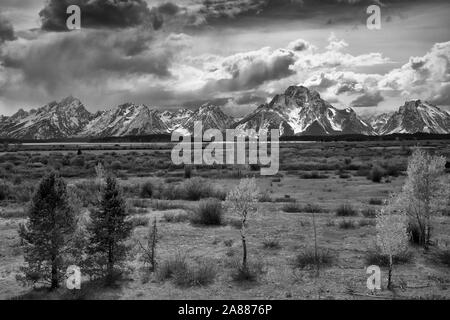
(297, 111)
(417, 116)
(302, 111)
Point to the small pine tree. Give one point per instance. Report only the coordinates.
(48, 233)
(242, 199)
(392, 236)
(422, 193)
(108, 231)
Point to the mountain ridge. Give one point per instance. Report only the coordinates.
(296, 111)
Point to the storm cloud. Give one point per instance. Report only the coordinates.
(56, 60)
(6, 30)
(368, 99)
(105, 14)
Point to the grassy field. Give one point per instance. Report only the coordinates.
(319, 177)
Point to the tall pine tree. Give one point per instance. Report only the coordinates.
(48, 233)
(108, 231)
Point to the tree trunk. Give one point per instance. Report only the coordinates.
(244, 245)
(110, 266)
(389, 286)
(315, 245)
(55, 282)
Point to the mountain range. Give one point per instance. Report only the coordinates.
(297, 111)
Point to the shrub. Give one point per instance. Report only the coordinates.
(139, 221)
(393, 171)
(195, 189)
(285, 200)
(270, 243)
(187, 172)
(313, 208)
(78, 161)
(88, 192)
(116, 165)
(162, 205)
(375, 257)
(228, 243)
(376, 201)
(414, 232)
(346, 210)
(345, 175)
(250, 273)
(369, 212)
(376, 174)
(139, 203)
(18, 193)
(365, 222)
(147, 190)
(13, 214)
(313, 175)
(5, 191)
(307, 258)
(363, 172)
(347, 224)
(170, 267)
(209, 212)
(444, 257)
(291, 207)
(264, 197)
(175, 217)
(200, 274)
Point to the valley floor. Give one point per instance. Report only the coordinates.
(423, 277)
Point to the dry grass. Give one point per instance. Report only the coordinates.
(276, 277)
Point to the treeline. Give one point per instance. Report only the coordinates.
(167, 138)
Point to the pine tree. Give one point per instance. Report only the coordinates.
(108, 231)
(48, 233)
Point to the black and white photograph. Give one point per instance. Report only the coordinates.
(242, 152)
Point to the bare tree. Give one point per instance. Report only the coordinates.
(242, 200)
(149, 250)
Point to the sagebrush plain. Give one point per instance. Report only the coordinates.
(342, 183)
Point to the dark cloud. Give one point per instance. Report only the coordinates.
(249, 98)
(105, 14)
(368, 99)
(169, 8)
(252, 69)
(6, 30)
(58, 60)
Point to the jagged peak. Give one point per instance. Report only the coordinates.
(19, 113)
(69, 100)
(295, 91)
(208, 107)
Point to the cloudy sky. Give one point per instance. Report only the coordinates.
(233, 53)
